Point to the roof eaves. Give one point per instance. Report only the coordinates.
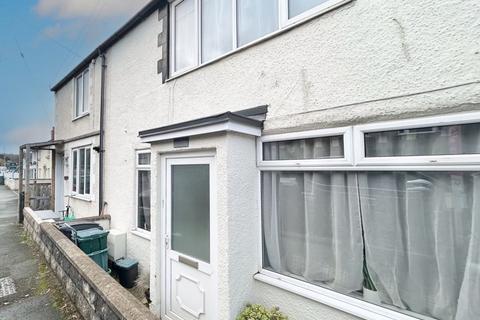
(36, 145)
(103, 47)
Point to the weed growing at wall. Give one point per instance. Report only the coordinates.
(258, 312)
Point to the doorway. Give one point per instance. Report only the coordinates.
(189, 233)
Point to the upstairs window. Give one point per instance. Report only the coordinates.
(204, 30)
(185, 26)
(298, 7)
(81, 94)
(256, 19)
(216, 28)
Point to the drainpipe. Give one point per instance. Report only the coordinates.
(102, 135)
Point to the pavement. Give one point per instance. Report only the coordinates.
(20, 297)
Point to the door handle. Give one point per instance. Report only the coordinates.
(167, 241)
(188, 262)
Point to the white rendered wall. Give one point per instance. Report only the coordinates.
(66, 127)
(132, 97)
(366, 61)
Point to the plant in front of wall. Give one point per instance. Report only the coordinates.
(259, 312)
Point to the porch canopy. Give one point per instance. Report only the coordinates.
(25, 155)
(248, 121)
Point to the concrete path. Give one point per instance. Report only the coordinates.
(20, 297)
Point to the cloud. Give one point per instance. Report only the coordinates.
(36, 132)
(71, 9)
(85, 18)
(68, 29)
(53, 31)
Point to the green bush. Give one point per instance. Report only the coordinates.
(258, 312)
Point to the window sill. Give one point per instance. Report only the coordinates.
(291, 24)
(82, 198)
(353, 306)
(81, 116)
(142, 234)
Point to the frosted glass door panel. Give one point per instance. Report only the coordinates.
(191, 210)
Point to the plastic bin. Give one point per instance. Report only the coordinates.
(127, 270)
(91, 240)
(72, 227)
(100, 258)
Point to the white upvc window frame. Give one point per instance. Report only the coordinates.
(331, 298)
(84, 109)
(354, 160)
(284, 24)
(197, 40)
(317, 10)
(347, 160)
(76, 173)
(436, 161)
(141, 167)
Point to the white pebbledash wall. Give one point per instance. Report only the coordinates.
(67, 128)
(369, 60)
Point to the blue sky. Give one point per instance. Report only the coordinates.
(40, 42)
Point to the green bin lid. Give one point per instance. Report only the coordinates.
(126, 263)
(91, 234)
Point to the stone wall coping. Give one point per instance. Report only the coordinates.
(121, 302)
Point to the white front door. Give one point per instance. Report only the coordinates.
(189, 247)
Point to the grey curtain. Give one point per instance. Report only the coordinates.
(421, 229)
(143, 200)
(311, 220)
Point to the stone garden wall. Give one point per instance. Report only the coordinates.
(94, 292)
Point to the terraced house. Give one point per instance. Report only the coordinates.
(322, 156)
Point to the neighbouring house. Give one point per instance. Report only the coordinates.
(40, 165)
(322, 156)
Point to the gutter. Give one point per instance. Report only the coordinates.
(102, 136)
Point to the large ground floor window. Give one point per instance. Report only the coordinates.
(406, 236)
(399, 237)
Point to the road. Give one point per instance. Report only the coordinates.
(21, 292)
